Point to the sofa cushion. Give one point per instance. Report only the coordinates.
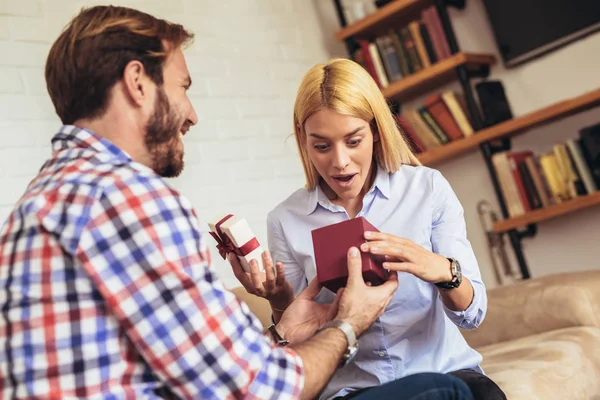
(560, 364)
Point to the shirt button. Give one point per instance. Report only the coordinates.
(381, 353)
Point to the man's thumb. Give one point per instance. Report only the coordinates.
(354, 266)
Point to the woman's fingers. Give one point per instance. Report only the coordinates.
(280, 280)
(240, 274)
(269, 283)
(257, 278)
(403, 267)
(394, 250)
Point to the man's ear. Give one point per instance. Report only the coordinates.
(136, 82)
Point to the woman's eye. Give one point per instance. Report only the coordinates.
(321, 147)
(354, 143)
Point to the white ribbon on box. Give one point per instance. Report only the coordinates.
(233, 235)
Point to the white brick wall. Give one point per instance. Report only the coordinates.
(246, 62)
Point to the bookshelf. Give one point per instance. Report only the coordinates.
(394, 13)
(549, 212)
(462, 67)
(512, 127)
(437, 75)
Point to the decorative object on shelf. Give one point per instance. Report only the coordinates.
(503, 270)
(493, 102)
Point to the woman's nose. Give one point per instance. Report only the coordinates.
(341, 159)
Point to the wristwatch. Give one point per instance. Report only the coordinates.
(346, 328)
(456, 276)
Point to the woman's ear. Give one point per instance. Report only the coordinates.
(375, 131)
(375, 135)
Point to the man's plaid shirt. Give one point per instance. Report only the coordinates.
(106, 291)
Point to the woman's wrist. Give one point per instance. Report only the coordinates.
(280, 305)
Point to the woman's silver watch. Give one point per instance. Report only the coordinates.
(348, 331)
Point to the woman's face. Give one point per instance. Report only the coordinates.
(341, 149)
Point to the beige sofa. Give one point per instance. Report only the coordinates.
(540, 339)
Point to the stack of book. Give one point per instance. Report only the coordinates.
(404, 51)
(529, 182)
(442, 119)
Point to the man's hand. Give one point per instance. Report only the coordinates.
(304, 316)
(361, 304)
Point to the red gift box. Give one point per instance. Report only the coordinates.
(331, 244)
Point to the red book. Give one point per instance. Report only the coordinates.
(433, 24)
(514, 159)
(331, 244)
(364, 45)
(440, 112)
(413, 139)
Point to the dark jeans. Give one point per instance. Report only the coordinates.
(482, 387)
(425, 386)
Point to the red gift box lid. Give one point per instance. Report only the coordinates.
(331, 244)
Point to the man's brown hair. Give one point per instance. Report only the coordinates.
(90, 55)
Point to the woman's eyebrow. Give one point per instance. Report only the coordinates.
(354, 132)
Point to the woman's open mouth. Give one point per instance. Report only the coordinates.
(345, 180)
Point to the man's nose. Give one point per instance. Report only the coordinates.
(193, 117)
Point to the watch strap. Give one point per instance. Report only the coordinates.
(280, 341)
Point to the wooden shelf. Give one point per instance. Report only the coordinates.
(549, 212)
(435, 76)
(391, 15)
(512, 127)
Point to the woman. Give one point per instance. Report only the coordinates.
(357, 163)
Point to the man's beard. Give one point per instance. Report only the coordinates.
(162, 138)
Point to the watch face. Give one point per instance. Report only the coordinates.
(350, 354)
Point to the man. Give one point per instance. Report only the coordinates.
(105, 288)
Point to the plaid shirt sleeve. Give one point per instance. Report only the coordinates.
(143, 250)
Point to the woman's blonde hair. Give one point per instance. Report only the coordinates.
(344, 86)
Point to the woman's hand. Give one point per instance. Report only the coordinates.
(276, 289)
(407, 256)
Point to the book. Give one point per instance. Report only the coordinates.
(389, 58)
(409, 134)
(536, 177)
(378, 65)
(508, 186)
(370, 65)
(530, 191)
(439, 133)
(574, 146)
(440, 112)
(428, 43)
(566, 170)
(514, 160)
(421, 129)
(552, 173)
(411, 50)
(400, 52)
(458, 113)
(415, 32)
(433, 23)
